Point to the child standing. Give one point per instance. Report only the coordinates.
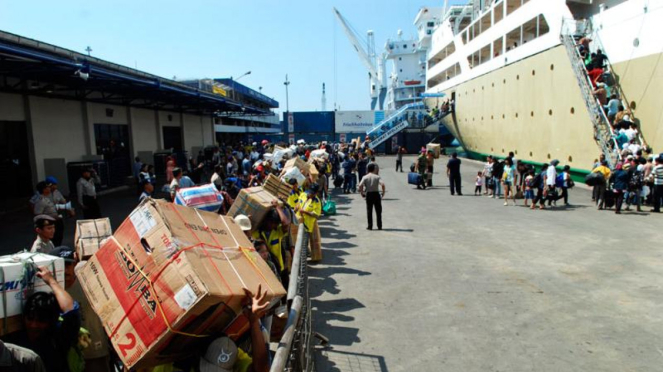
(529, 182)
(478, 183)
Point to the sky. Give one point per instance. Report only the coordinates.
(223, 38)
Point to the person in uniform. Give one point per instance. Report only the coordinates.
(45, 229)
(272, 230)
(44, 206)
(369, 187)
(87, 194)
(308, 211)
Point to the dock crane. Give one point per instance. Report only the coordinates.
(375, 64)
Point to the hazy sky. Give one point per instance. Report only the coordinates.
(198, 39)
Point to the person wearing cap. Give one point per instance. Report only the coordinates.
(308, 211)
(87, 194)
(58, 199)
(51, 324)
(244, 223)
(175, 183)
(223, 355)
(45, 229)
(45, 206)
(370, 187)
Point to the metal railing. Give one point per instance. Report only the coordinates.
(295, 352)
(603, 132)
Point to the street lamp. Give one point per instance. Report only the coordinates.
(287, 104)
(242, 75)
(234, 80)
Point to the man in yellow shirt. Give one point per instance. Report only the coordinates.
(272, 230)
(309, 210)
(601, 187)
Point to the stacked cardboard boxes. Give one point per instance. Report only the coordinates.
(89, 235)
(253, 202)
(169, 276)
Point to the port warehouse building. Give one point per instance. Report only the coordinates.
(61, 111)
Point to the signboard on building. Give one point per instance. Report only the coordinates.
(386, 131)
(357, 121)
(291, 139)
(291, 122)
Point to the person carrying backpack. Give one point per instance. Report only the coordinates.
(498, 171)
(540, 186)
(633, 193)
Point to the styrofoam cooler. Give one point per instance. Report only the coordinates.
(205, 197)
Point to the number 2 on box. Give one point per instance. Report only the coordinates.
(129, 345)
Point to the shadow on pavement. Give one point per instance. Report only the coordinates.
(329, 360)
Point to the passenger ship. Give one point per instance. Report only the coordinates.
(509, 66)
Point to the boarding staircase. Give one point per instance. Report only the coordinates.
(603, 132)
(413, 116)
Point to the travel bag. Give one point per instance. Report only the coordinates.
(414, 178)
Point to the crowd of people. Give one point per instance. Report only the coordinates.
(54, 322)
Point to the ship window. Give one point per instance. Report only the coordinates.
(543, 26)
(404, 46)
(498, 13)
(512, 5)
(498, 46)
(529, 30)
(431, 24)
(485, 22)
(429, 32)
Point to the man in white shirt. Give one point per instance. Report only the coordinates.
(551, 176)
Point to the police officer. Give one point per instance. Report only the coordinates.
(87, 193)
(45, 206)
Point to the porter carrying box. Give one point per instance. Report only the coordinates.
(276, 187)
(435, 148)
(169, 276)
(19, 281)
(253, 202)
(89, 236)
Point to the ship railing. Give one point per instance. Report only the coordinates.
(603, 130)
(598, 44)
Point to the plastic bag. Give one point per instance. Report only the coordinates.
(329, 209)
(319, 154)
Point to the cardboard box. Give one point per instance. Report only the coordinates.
(171, 273)
(253, 202)
(313, 172)
(276, 187)
(299, 163)
(435, 147)
(18, 282)
(89, 235)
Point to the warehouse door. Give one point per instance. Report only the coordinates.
(172, 138)
(14, 160)
(112, 141)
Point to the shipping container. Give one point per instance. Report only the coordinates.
(313, 122)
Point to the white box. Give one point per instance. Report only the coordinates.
(18, 281)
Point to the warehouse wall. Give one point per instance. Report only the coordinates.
(57, 127)
(193, 133)
(144, 130)
(11, 107)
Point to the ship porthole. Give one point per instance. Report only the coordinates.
(504, 81)
(533, 72)
(636, 42)
(482, 118)
(493, 85)
(632, 105)
(548, 156)
(570, 159)
(503, 116)
(492, 117)
(531, 114)
(516, 152)
(502, 151)
(552, 67)
(530, 154)
(492, 149)
(516, 115)
(573, 110)
(550, 112)
(517, 77)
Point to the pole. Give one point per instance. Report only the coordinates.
(287, 103)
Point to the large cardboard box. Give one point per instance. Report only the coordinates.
(299, 163)
(18, 281)
(313, 172)
(435, 147)
(276, 187)
(89, 235)
(253, 202)
(170, 275)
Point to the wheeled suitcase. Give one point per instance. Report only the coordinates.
(414, 178)
(609, 197)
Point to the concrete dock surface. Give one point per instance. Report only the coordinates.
(463, 283)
